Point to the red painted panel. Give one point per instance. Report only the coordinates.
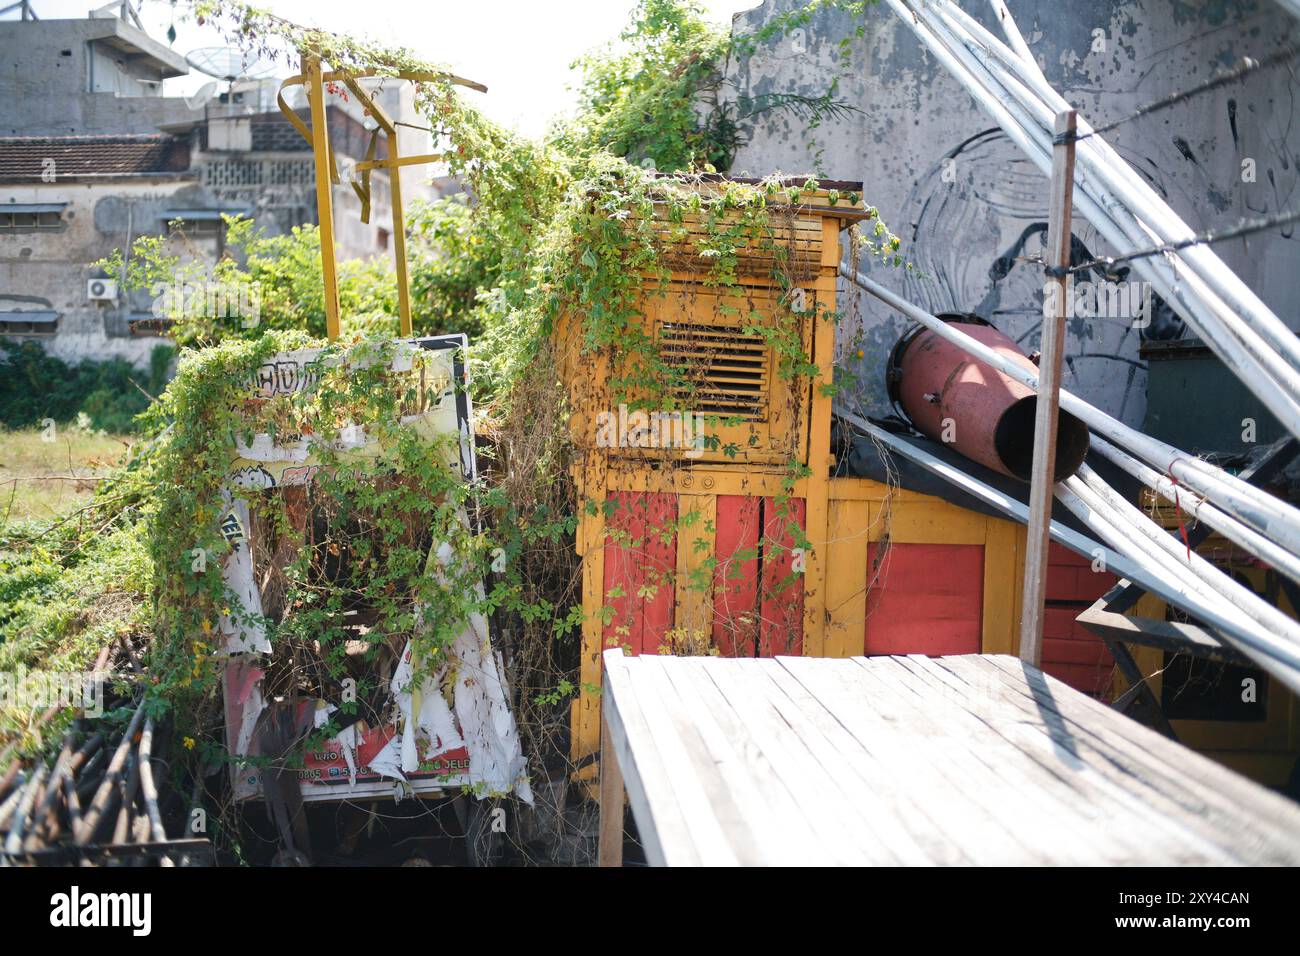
(1083, 677)
(638, 568)
(1070, 577)
(624, 527)
(926, 599)
(1071, 653)
(659, 566)
(1093, 653)
(781, 628)
(1059, 622)
(735, 577)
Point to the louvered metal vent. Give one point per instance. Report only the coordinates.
(720, 369)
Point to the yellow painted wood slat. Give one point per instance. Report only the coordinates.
(716, 479)
(1003, 558)
(820, 462)
(849, 524)
(935, 522)
(585, 717)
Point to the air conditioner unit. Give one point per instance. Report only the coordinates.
(101, 290)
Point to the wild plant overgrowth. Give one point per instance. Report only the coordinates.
(558, 228)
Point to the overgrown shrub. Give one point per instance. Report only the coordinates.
(659, 95)
(35, 386)
(560, 227)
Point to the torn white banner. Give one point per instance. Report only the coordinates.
(346, 739)
(496, 762)
(430, 711)
(388, 762)
(244, 630)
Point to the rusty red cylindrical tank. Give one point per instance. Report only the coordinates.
(953, 397)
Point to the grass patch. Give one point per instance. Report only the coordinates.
(45, 474)
(65, 595)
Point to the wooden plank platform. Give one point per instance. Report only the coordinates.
(972, 759)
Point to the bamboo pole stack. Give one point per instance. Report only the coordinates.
(98, 800)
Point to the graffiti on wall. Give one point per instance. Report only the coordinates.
(971, 208)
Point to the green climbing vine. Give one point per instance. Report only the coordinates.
(572, 229)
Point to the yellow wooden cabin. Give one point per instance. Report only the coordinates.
(747, 546)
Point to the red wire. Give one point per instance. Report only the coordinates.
(1178, 509)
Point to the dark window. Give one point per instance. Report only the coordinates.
(198, 228)
(149, 326)
(12, 323)
(1192, 688)
(29, 221)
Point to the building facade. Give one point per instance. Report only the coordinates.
(94, 156)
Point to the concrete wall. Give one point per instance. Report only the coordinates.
(49, 270)
(48, 69)
(966, 202)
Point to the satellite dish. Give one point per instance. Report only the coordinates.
(202, 96)
(230, 64)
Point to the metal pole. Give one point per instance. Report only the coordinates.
(392, 163)
(320, 144)
(1014, 38)
(399, 239)
(1250, 505)
(1052, 344)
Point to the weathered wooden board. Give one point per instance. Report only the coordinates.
(970, 759)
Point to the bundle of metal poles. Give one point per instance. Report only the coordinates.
(1151, 554)
(1252, 342)
(100, 792)
(1250, 339)
(1188, 582)
(1249, 516)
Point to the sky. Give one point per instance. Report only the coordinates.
(521, 49)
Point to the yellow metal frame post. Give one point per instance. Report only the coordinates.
(399, 239)
(320, 146)
(314, 78)
(392, 164)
